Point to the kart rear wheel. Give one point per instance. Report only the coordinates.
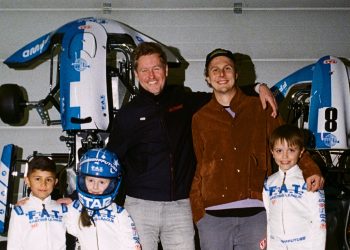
(12, 103)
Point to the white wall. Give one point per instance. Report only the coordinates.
(279, 41)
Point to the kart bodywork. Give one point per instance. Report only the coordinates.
(317, 99)
(323, 101)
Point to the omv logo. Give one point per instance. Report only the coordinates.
(38, 48)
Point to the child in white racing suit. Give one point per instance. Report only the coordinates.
(38, 223)
(296, 218)
(98, 222)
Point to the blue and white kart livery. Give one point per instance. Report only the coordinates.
(7, 172)
(329, 101)
(85, 44)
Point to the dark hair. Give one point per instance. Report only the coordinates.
(148, 48)
(84, 218)
(289, 133)
(42, 163)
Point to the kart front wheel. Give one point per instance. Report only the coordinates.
(12, 103)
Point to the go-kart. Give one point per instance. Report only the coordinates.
(91, 77)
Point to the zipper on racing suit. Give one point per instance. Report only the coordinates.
(96, 231)
(46, 227)
(284, 179)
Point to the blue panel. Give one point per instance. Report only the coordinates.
(72, 45)
(31, 51)
(321, 91)
(5, 166)
(281, 88)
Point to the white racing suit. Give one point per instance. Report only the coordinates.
(33, 227)
(296, 218)
(112, 228)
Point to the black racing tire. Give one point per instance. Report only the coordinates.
(12, 103)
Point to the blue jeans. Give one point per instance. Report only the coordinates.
(227, 233)
(170, 222)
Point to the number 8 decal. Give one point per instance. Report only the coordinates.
(331, 116)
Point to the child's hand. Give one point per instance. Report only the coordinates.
(22, 201)
(66, 201)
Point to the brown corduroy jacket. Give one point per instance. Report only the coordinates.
(233, 156)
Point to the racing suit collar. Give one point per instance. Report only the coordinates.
(36, 199)
(290, 171)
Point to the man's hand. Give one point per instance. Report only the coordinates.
(266, 96)
(314, 183)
